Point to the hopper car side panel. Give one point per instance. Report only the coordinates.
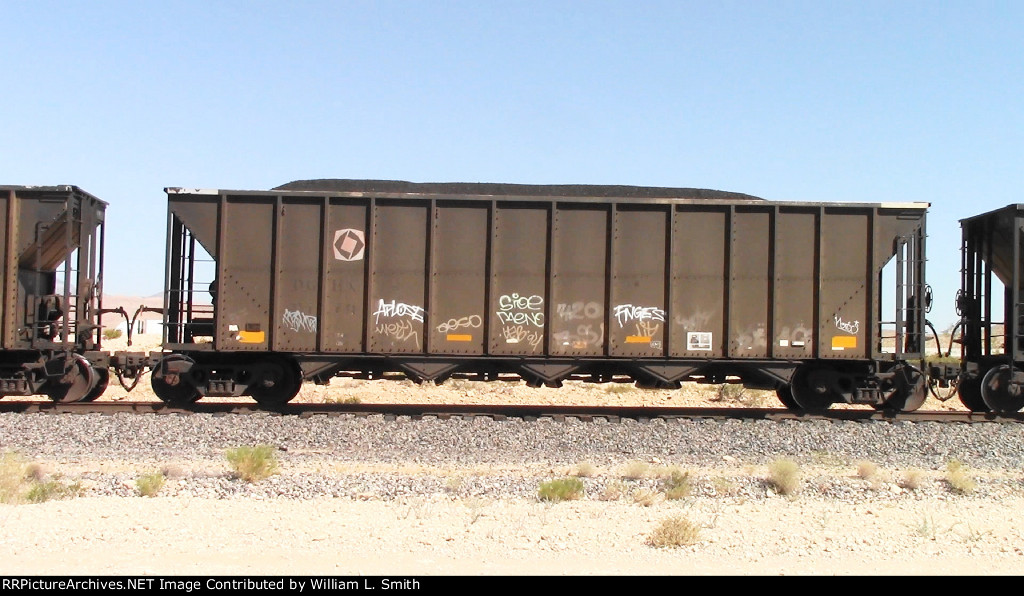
(546, 287)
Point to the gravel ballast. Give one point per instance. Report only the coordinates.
(401, 496)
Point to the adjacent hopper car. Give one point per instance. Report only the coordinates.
(51, 241)
(823, 302)
(991, 313)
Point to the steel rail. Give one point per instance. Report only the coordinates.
(500, 412)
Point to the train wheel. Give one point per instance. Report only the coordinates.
(76, 384)
(999, 392)
(909, 397)
(969, 391)
(785, 393)
(102, 380)
(168, 382)
(277, 382)
(812, 389)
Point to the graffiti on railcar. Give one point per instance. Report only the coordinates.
(296, 320)
(397, 310)
(396, 320)
(519, 334)
(625, 313)
(518, 309)
(580, 311)
(852, 327)
(454, 324)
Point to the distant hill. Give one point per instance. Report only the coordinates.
(130, 304)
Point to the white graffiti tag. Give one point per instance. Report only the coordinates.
(471, 322)
(297, 321)
(847, 326)
(521, 310)
(520, 334)
(584, 337)
(397, 309)
(625, 313)
(647, 329)
(400, 330)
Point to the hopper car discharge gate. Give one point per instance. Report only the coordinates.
(265, 289)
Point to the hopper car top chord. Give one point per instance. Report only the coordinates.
(824, 302)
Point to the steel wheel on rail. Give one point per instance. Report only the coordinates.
(170, 381)
(78, 381)
(969, 391)
(910, 394)
(102, 380)
(276, 382)
(999, 392)
(812, 389)
(785, 394)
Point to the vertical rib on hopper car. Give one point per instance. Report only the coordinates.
(323, 278)
(51, 241)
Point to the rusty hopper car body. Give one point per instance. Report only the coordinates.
(324, 278)
(51, 241)
(992, 358)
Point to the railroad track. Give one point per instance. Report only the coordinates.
(524, 412)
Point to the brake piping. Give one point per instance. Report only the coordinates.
(933, 382)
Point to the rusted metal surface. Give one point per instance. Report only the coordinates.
(51, 244)
(545, 282)
(991, 305)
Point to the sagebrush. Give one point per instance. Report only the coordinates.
(673, 532)
(253, 464)
(958, 478)
(677, 484)
(23, 482)
(149, 485)
(561, 489)
(784, 475)
(636, 470)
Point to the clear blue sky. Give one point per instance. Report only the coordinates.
(804, 101)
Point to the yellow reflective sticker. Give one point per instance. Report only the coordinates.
(457, 337)
(638, 339)
(842, 342)
(251, 337)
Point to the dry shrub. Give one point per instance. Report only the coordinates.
(585, 470)
(674, 532)
(561, 489)
(784, 475)
(646, 498)
(253, 464)
(677, 484)
(867, 470)
(618, 387)
(149, 485)
(22, 482)
(636, 470)
(40, 492)
(12, 478)
(614, 491)
(912, 479)
(958, 478)
(724, 486)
